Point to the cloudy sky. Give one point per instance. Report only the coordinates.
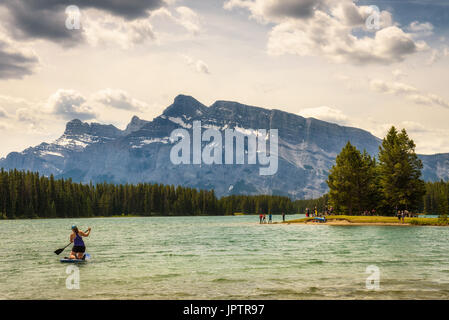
(341, 61)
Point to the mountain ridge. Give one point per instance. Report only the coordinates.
(141, 152)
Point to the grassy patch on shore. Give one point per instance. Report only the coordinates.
(380, 219)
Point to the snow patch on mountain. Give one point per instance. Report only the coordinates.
(57, 154)
(150, 141)
(179, 121)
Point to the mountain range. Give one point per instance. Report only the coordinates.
(93, 152)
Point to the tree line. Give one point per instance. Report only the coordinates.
(436, 200)
(320, 203)
(30, 195)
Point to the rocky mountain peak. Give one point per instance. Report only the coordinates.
(135, 124)
(76, 127)
(237, 107)
(187, 106)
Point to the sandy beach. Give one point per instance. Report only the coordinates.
(344, 220)
(348, 223)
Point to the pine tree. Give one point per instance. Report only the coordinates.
(400, 172)
(353, 181)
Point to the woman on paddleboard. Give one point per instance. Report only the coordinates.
(78, 244)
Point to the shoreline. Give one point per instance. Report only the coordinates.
(347, 223)
(370, 221)
(137, 216)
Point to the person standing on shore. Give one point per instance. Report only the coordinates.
(283, 216)
(270, 218)
(260, 218)
(264, 218)
(402, 216)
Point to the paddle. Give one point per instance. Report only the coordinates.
(62, 249)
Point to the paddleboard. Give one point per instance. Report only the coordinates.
(67, 260)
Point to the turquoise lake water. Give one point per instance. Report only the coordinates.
(223, 258)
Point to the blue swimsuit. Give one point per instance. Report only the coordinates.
(78, 242)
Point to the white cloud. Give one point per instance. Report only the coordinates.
(106, 29)
(30, 119)
(16, 59)
(41, 120)
(189, 19)
(70, 104)
(202, 67)
(421, 29)
(398, 74)
(328, 39)
(9, 107)
(437, 55)
(428, 139)
(12, 101)
(326, 28)
(198, 65)
(409, 92)
(26, 115)
(119, 99)
(326, 114)
(275, 10)
(349, 14)
(184, 17)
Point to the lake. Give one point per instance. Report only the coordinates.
(232, 257)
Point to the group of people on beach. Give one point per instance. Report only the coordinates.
(401, 214)
(327, 211)
(263, 218)
(369, 213)
(313, 214)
